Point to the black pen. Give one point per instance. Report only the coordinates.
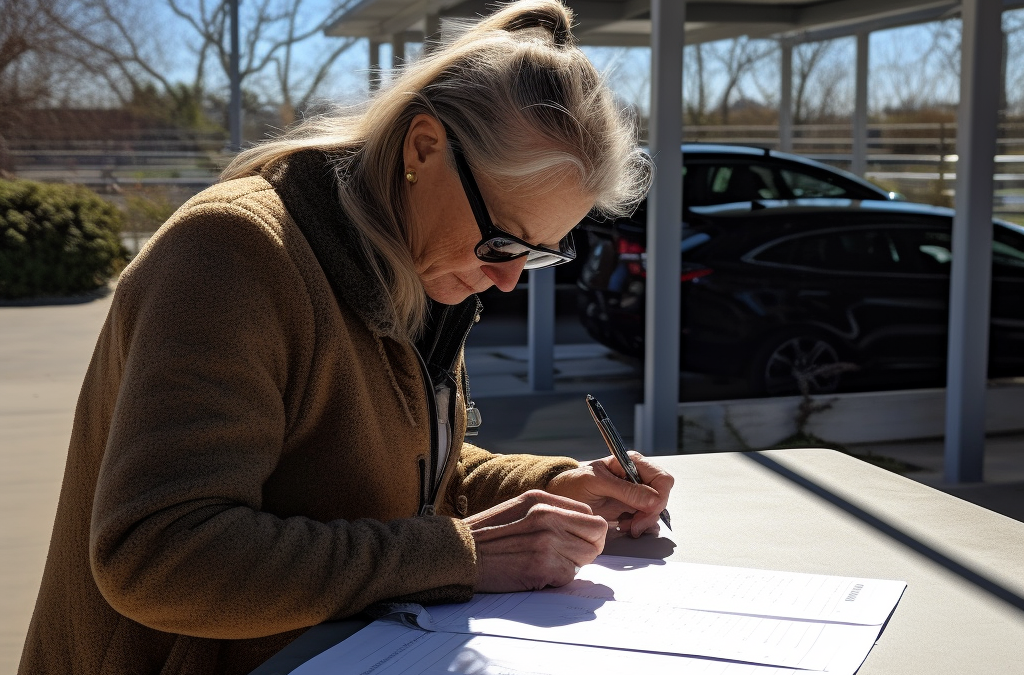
(618, 447)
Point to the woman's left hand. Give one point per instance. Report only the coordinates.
(602, 484)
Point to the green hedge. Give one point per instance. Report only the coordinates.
(56, 239)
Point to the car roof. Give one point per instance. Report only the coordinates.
(720, 149)
(770, 207)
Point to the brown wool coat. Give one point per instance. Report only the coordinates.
(244, 459)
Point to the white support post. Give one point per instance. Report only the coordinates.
(786, 96)
(971, 272)
(397, 50)
(541, 329)
(235, 105)
(431, 32)
(664, 219)
(859, 159)
(374, 74)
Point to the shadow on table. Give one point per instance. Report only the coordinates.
(958, 568)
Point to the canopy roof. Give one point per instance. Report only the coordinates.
(628, 22)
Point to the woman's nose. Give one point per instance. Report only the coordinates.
(505, 275)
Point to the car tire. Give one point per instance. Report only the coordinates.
(781, 360)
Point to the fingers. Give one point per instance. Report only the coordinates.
(603, 484)
(549, 519)
(516, 509)
(545, 546)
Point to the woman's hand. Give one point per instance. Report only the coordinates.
(535, 540)
(603, 486)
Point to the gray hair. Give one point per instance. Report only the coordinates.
(529, 111)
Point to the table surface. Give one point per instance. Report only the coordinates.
(820, 511)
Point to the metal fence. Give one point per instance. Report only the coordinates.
(915, 159)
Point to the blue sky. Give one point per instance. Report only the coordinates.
(905, 64)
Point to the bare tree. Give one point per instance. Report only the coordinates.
(1013, 28)
(271, 34)
(695, 85)
(820, 78)
(116, 43)
(736, 58)
(917, 66)
(26, 73)
(25, 34)
(627, 71)
(806, 58)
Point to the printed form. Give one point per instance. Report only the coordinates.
(676, 617)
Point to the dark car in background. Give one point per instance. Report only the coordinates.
(721, 174)
(778, 290)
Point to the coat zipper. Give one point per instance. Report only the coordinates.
(427, 473)
(429, 490)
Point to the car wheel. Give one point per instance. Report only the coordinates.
(782, 362)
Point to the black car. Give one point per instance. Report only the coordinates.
(722, 174)
(775, 291)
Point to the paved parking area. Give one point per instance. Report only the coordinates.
(44, 353)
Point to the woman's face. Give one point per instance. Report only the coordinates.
(444, 232)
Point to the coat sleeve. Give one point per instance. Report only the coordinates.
(211, 326)
(484, 479)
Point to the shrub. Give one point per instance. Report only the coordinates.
(56, 239)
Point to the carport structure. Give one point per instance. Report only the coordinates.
(667, 26)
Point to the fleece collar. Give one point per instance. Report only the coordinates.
(308, 186)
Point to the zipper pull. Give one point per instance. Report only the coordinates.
(428, 510)
(473, 419)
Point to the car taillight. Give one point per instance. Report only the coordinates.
(634, 254)
(690, 275)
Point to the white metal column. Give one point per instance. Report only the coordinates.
(664, 217)
(235, 105)
(859, 160)
(397, 50)
(431, 31)
(786, 95)
(374, 74)
(540, 343)
(972, 240)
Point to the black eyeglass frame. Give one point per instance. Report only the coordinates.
(490, 232)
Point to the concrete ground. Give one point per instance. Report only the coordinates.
(45, 350)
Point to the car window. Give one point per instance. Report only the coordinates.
(708, 184)
(803, 185)
(840, 250)
(1007, 251)
(933, 250)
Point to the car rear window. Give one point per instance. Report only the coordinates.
(802, 185)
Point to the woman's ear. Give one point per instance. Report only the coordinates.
(424, 141)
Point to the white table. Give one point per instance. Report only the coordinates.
(820, 511)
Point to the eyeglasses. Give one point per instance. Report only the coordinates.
(497, 245)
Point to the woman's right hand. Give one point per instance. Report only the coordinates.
(535, 540)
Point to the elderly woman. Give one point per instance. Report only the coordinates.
(270, 432)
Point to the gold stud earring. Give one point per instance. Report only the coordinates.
(410, 176)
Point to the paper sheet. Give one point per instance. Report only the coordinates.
(628, 615)
(788, 595)
(390, 648)
(555, 617)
